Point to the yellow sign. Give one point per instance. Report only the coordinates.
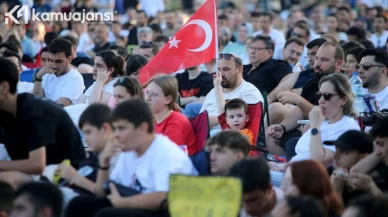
(195, 196)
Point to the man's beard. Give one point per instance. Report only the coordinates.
(226, 84)
(322, 73)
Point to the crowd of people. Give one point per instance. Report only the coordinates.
(81, 136)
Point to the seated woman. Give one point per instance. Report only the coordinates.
(126, 88)
(134, 63)
(309, 178)
(329, 120)
(107, 67)
(161, 95)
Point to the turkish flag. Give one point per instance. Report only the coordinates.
(195, 43)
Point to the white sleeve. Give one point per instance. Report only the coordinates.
(251, 95)
(89, 90)
(73, 89)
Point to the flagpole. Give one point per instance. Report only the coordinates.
(216, 32)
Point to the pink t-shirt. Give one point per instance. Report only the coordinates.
(112, 102)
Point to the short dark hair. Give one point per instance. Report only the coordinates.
(343, 9)
(230, 139)
(70, 38)
(112, 61)
(380, 56)
(338, 53)
(347, 46)
(316, 42)
(303, 27)
(121, 51)
(367, 44)
(257, 180)
(236, 103)
(266, 14)
(369, 205)
(379, 129)
(155, 48)
(222, 17)
(95, 115)
(43, 195)
(10, 46)
(156, 27)
(254, 14)
(60, 45)
(356, 53)
(7, 195)
(295, 40)
(141, 12)
(161, 38)
(305, 206)
(45, 49)
(136, 111)
(8, 53)
(269, 44)
(9, 73)
(358, 32)
(379, 16)
(134, 63)
(49, 37)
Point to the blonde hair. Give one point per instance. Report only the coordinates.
(169, 86)
(344, 89)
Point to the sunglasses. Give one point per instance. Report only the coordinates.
(326, 96)
(297, 35)
(367, 66)
(228, 56)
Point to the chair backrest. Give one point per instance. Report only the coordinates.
(88, 80)
(261, 140)
(201, 128)
(27, 75)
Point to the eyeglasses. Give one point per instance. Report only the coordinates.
(297, 35)
(367, 66)
(326, 96)
(228, 56)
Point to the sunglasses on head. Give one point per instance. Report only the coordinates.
(326, 96)
(228, 56)
(367, 66)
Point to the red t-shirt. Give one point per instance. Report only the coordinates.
(178, 128)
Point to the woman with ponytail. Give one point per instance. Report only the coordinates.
(161, 95)
(107, 67)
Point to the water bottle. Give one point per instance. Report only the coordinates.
(358, 91)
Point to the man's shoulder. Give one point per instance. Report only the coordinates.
(32, 107)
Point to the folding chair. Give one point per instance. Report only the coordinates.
(201, 128)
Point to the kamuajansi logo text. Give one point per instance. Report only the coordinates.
(56, 16)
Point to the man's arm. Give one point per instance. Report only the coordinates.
(290, 120)
(35, 164)
(38, 89)
(305, 106)
(149, 201)
(366, 165)
(286, 84)
(187, 100)
(64, 101)
(213, 121)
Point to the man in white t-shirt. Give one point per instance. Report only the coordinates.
(233, 86)
(379, 38)
(59, 82)
(144, 163)
(23, 87)
(267, 29)
(374, 74)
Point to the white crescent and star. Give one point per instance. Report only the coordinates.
(208, 36)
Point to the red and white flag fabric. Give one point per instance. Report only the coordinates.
(195, 43)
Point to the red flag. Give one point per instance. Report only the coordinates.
(193, 44)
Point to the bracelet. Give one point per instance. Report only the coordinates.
(284, 128)
(103, 168)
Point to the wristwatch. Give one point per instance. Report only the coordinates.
(314, 131)
(37, 79)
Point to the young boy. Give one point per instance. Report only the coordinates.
(97, 128)
(236, 110)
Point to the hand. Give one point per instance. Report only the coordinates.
(301, 68)
(362, 182)
(280, 167)
(102, 76)
(316, 116)
(111, 149)
(217, 78)
(339, 179)
(67, 172)
(44, 70)
(288, 97)
(275, 131)
(114, 196)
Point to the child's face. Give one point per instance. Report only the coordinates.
(237, 118)
(95, 138)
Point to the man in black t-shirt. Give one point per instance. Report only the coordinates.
(194, 85)
(328, 60)
(35, 132)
